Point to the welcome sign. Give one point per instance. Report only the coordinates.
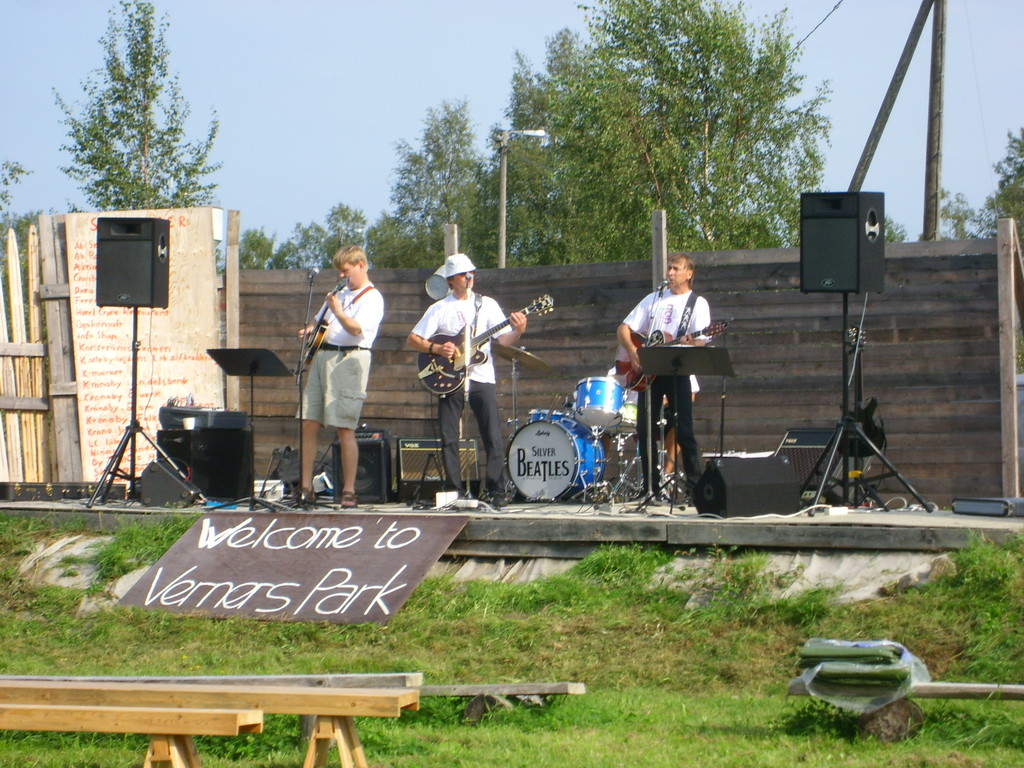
(343, 569)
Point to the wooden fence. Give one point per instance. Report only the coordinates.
(939, 355)
(932, 354)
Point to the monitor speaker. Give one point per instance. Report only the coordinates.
(420, 472)
(842, 242)
(132, 262)
(161, 486)
(373, 473)
(218, 461)
(733, 486)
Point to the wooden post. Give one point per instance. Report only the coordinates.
(231, 302)
(1008, 256)
(659, 247)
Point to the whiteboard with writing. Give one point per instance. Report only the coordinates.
(336, 568)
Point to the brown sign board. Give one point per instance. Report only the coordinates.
(337, 568)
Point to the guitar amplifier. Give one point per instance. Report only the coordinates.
(420, 473)
(373, 473)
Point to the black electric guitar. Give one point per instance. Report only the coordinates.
(312, 343)
(442, 375)
(632, 376)
(865, 409)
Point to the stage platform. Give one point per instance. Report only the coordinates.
(573, 530)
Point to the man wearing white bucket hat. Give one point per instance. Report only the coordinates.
(460, 310)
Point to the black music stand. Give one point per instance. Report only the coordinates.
(251, 362)
(679, 361)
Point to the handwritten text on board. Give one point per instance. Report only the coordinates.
(343, 569)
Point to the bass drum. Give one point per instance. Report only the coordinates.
(551, 459)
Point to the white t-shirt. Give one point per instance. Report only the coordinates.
(449, 316)
(662, 311)
(368, 311)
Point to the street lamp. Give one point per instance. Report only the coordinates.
(502, 182)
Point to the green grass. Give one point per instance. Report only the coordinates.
(667, 685)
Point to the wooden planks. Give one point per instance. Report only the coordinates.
(125, 719)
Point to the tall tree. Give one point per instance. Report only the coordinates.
(682, 105)
(435, 185)
(310, 246)
(127, 144)
(1008, 200)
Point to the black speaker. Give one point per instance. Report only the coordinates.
(218, 461)
(161, 486)
(420, 472)
(842, 242)
(132, 262)
(734, 486)
(373, 474)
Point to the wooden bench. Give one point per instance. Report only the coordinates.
(333, 708)
(897, 720)
(170, 729)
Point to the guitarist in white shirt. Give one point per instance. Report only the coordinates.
(344, 331)
(462, 314)
(664, 310)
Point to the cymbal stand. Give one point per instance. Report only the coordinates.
(514, 421)
(629, 483)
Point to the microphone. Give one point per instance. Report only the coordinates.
(663, 286)
(312, 272)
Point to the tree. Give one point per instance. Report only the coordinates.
(435, 185)
(10, 172)
(1008, 199)
(681, 105)
(127, 145)
(310, 246)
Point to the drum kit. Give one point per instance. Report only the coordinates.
(564, 454)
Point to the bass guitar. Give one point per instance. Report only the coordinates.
(314, 340)
(633, 377)
(442, 375)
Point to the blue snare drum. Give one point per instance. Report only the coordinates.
(551, 459)
(599, 402)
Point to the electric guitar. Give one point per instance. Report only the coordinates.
(865, 409)
(442, 375)
(633, 377)
(313, 342)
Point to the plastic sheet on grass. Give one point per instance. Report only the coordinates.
(859, 676)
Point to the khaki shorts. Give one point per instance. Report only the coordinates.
(336, 388)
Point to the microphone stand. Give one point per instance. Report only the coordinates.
(300, 370)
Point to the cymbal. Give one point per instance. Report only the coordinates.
(527, 359)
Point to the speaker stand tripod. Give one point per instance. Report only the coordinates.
(113, 470)
(251, 363)
(849, 442)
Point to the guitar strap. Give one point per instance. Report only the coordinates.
(684, 321)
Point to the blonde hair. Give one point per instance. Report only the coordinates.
(349, 254)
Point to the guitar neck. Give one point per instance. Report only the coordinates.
(488, 334)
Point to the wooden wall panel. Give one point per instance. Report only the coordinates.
(931, 353)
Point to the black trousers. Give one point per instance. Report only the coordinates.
(483, 401)
(675, 393)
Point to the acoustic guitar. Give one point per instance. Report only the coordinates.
(633, 376)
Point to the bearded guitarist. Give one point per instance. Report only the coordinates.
(458, 317)
(673, 314)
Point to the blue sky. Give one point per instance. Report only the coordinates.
(313, 95)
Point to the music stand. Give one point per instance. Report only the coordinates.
(251, 362)
(679, 361)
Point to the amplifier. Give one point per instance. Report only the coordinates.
(803, 448)
(735, 487)
(373, 475)
(420, 473)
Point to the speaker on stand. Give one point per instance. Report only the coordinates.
(842, 242)
(132, 262)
